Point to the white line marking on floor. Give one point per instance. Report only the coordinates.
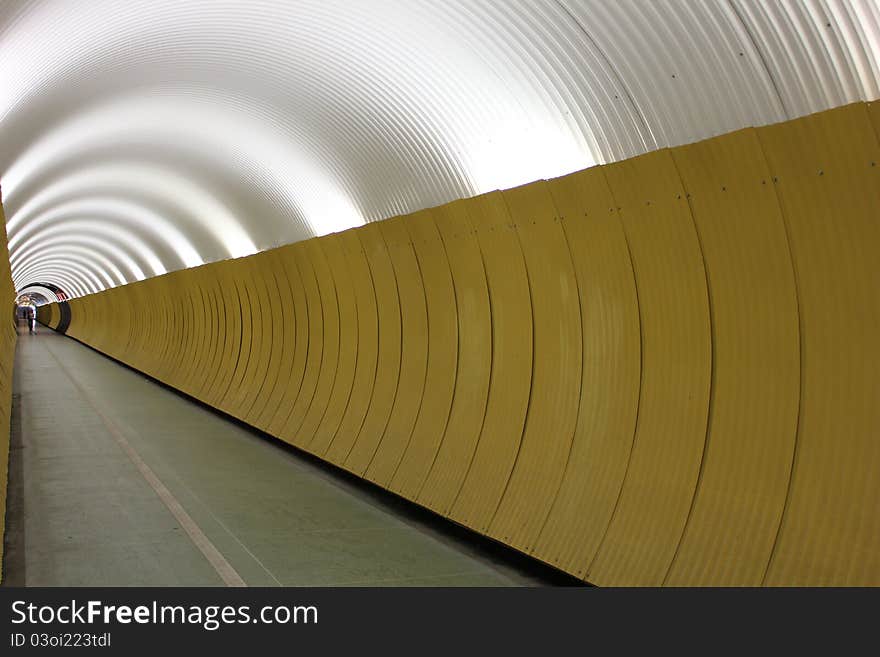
(226, 528)
(224, 569)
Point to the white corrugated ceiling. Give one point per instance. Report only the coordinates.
(138, 137)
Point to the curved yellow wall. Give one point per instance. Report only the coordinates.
(49, 314)
(660, 371)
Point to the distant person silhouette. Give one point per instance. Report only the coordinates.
(31, 316)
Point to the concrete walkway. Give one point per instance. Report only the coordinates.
(122, 482)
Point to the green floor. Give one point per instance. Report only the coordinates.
(90, 517)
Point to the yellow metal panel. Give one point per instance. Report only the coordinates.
(156, 321)
(85, 320)
(216, 321)
(227, 334)
(242, 285)
(676, 364)
(212, 329)
(142, 354)
(118, 328)
(388, 362)
(611, 371)
(261, 336)
(330, 341)
(297, 336)
(241, 351)
(756, 370)
(181, 305)
(367, 349)
(225, 355)
(173, 337)
(314, 343)
(262, 312)
(440, 374)
(126, 303)
(337, 261)
(78, 320)
(413, 348)
(163, 326)
(151, 321)
(251, 345)
(131, 296)
(827, 180)
(160, 325)
(177, 338)
(195, 358)
(282, 311)
(239, 307)
(556, 368)
(180, 336)
(121, 318)
(458, 435)
(485, 427)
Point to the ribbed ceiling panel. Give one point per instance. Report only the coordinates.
(138, 137)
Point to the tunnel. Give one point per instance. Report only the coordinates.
(464, 293)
